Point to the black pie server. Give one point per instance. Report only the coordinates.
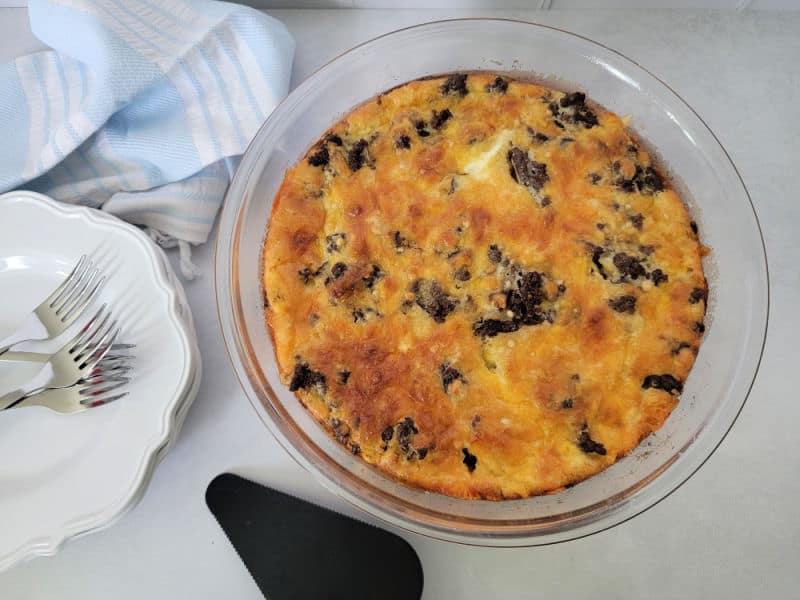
(296, 550)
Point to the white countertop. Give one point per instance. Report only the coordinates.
(732, 531)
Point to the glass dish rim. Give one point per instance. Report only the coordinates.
(228, 297)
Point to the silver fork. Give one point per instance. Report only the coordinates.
(75, 361)
(43, 357)
(60, 309)
(96, 390)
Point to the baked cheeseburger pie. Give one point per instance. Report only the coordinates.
(483, 287)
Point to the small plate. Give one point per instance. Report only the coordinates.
(66, 475)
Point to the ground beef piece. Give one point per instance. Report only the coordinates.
(573, 99)
(623, 304)
(629, 266)
(334, 139)
(305, 377)
(403, 142)
(658, 276)
(588, 445)
(356, 156)
(405, 429)
(637, 220)
(664, 382)
(431, 298)
(491, 327)
(494, 254)
(455, 84)
(498, 86)
(525, 300)
(597, 253)
(374, 275)
(650, 181)
(572, 109)
(525, 171)
(536, 136)
(462, 274)
(401, 242)
(335, 242)
(469, 459)
(338, 270)
(362, 315)
(696, 295)
(422, 129)
(320, 158)
(306, 275)
(645, 180)
(449, 374)
(440, 118)
(341, 431)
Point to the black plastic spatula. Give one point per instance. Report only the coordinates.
(296, 550)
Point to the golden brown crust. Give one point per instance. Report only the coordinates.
(483, 287)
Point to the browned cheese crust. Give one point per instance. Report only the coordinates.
(483, 287)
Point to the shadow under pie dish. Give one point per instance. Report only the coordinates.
(690, 158)
(483, 286)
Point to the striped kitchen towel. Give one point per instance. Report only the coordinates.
(141, 108)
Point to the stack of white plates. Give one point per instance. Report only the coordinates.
(67, 475)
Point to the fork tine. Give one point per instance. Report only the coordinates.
(123, 346)
(112, 359)
(101, 348)
(90, 331)
(111, 362)
(104, 387)
(69, 280)
(74, 287)
(86, 326)
(68, 301)
(76, 340)
(95, 402)
(82, 301)
(101, 373)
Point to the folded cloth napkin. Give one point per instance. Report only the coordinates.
(141, 107)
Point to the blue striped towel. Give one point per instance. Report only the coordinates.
(141, 107)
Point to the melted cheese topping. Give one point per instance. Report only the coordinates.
(478, 165)
(483, 287)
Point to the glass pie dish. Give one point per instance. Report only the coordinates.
(685, 148)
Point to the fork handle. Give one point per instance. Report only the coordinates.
(35, 385)
(22, 333)
(11, 399)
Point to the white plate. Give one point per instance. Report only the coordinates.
(65, 475)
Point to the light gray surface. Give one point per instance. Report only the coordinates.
(542, 4)
(733, 531)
